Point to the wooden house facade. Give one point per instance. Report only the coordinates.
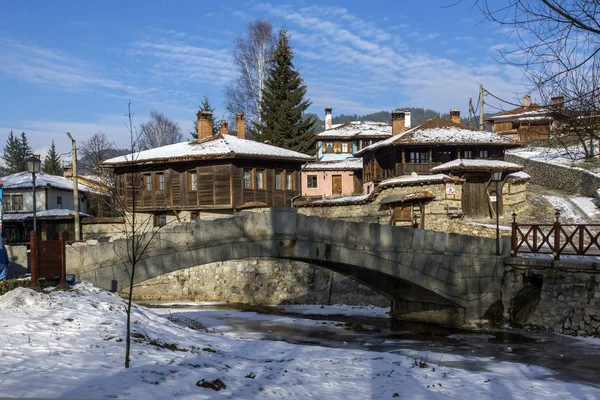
(215, 173)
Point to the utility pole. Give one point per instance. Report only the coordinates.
(470, 110)
(75, 187)
(481, 107)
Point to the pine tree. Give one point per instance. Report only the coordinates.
(11, 154)
(52, 163)
(205, 106)
(24, 153)
(283, 104)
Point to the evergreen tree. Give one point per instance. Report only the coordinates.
(52, 163)
(24, 152)
(16, 152)
(283, 104)
(205, 106)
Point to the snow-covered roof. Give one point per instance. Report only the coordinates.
(341, 200)
(218, 146)
(519, 113)
(477, 165)
(338, 165)
(358, 130)
(518, 176)
(408, 180)
(439, 131)
(46, 214)
(22, 180)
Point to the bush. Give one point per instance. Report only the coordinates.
(10, 284)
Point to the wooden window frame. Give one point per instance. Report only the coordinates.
(263, 181)
(469, 153)
(251, 172)
(278, 175)
(13, 203)
(159, 175)
(328, 147)
(157, 220)
(347, 147)
(484, 154)
(148, 184)
(309, 181)
(6, 203)
(292, 180)
(192, 180)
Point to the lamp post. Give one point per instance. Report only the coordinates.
(497, 177)
(75, 188)
(33, 167)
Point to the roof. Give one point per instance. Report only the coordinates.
(520, 112)
(477, 165)
(519, 176)
(215, 147)
(410, 180)
(440, 131)
(338, 165)
(340, 201)
(406, 197)
(46, 214)
(22, 180)
(358, 130)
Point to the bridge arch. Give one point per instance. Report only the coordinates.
(430, 276)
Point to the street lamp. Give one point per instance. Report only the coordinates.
(497, 177)
(33, 166)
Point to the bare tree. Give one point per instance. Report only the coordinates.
(95, 150)
(557, 45)
(159, 131)
(251, 56)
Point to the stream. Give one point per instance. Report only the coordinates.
(570, 358)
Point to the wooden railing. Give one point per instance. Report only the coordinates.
(556, 239)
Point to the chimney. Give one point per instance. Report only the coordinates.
(398, 124)
(527, 101)
(328, 121)
(407, 120)
(557, 102)
(239, 125)
(455, 116)
(204, 124)
(224, 128)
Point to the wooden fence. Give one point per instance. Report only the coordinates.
(556, 239)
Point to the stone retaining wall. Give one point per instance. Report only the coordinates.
(560, 177)
(259, 281)
(561, 297)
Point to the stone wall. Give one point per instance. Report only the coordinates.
(259, 281)
(555, 296)
(17, 256)
(560, 177)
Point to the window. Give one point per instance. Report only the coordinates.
(483, 154)
(329, 148)
(148, 182)
(278, 174)
(160, 220)
(365, 143)
(17, 202)
(194, 215)
(6, 203)
(160, 181)
(344, 147)
(289, 181)
(337, 147)
(192, 181)
(419, 157)
(259, 179)
(59, 201)
(311, 181)
(247, 178)
(468, 154)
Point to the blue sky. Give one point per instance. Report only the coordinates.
(73, 65)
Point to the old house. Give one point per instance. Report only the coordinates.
(332, 178)
(528, 122)
(54, 206)
(215, 174)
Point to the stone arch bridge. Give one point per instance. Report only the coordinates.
(429, 276)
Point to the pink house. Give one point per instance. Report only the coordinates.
(328, 179)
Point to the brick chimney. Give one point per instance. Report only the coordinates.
(557, 102)
(328, 120)
(204, 124)
(398, 118)
(240, 125)
(224, 128)
(527, 101)
(455, 116)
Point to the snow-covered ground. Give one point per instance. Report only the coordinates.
(575, 209)
(572, 156)
(69, 344)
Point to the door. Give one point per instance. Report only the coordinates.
(402, 215)
(336, 185)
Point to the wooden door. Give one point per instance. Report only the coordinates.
(402, 213)
(336, 185)
(475, 199)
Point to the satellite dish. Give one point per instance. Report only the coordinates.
(413, 174)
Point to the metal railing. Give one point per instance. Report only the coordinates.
(556, 239)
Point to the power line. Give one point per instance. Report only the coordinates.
(502, 100)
